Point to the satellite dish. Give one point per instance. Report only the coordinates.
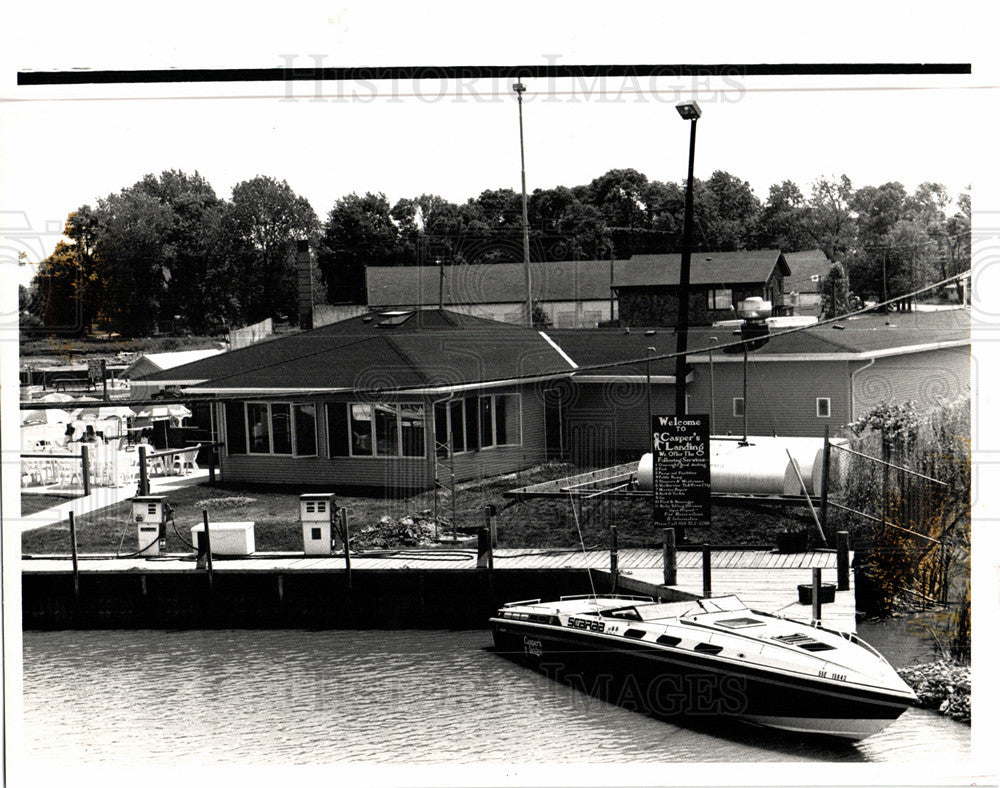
(815, 277)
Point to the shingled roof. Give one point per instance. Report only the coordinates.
(421, 349)
(570, 280)
(866, 336)
(707, 268)
(804, 266)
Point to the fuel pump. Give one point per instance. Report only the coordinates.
(317, 512)
(150, 514)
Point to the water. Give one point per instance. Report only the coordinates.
(300, 697)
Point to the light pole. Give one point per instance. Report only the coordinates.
(649, 393)
(688, 110)
(711, 383)
(519, 88)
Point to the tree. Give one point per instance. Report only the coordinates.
(198, 284)
(782, 223)
(261, 225)
(828, 217)
(837, 297)
(360, 231)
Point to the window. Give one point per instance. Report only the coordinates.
(411, 430)
(271, 428)
(258, 428)
(737, 406)
(823, 407)
(236, 428)
(361, 429)
(486, 435)
(475, 423)
(377, 429)
(305, 430)
(720, 299)
(281, 428)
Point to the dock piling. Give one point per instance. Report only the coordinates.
(143, 472)
(706, 571)
(491, 523)
(669, 557)
(817, 586)
(843, 561)
(208, 547)
(76, 560)
(85, 468)
(614, 555)
(345, 525)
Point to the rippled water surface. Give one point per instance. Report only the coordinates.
(299, 697)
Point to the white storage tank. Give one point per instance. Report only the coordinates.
(761, 467)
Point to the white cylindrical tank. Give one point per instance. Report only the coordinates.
(762, 467)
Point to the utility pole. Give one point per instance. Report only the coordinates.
(519, 88)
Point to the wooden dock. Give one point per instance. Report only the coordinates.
(763, 579)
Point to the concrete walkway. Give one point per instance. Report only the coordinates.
(103, 497)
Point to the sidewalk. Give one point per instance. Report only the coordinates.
(101, 498)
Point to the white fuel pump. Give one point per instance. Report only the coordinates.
(150, 514)
(316, 512)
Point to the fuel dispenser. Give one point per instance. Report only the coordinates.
(317, 512)
(150, 514)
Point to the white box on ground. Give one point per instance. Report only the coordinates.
(233, 538)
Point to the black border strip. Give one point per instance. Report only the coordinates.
(292, 73)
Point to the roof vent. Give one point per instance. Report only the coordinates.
(393, 319)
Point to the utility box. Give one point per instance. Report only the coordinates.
(232, 538)
(316, 511)
(149, 513)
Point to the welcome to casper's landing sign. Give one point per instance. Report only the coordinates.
(682, 480)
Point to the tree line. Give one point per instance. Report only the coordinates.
(169, 248)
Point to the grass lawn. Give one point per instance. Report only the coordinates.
(33, 502)
(541, 523)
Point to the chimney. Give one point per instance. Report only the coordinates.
(303, 269)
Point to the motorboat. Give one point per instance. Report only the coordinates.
(713, 656)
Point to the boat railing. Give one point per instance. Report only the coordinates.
(522, 602)
(630, 597)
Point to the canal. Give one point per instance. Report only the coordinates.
(319, 697)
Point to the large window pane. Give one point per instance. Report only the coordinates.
(500, 419)
(337, 429)
(236, 426)
(386, 431)
(486, 421)
(472, 423)
(441, 429)
(411, 425)
(361, 428)
(260, 442)
(281, 427)
(458, 426)
(305, 430)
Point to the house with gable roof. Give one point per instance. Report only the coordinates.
(573, 293)
(386, 400)
(647, 286)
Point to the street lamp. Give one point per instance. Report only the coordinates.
(649, 391)
(519, 88)
(688, 110)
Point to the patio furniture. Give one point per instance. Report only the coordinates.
(185, 462)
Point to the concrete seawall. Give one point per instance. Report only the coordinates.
(398, 598)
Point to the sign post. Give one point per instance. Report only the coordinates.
(682, 480)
